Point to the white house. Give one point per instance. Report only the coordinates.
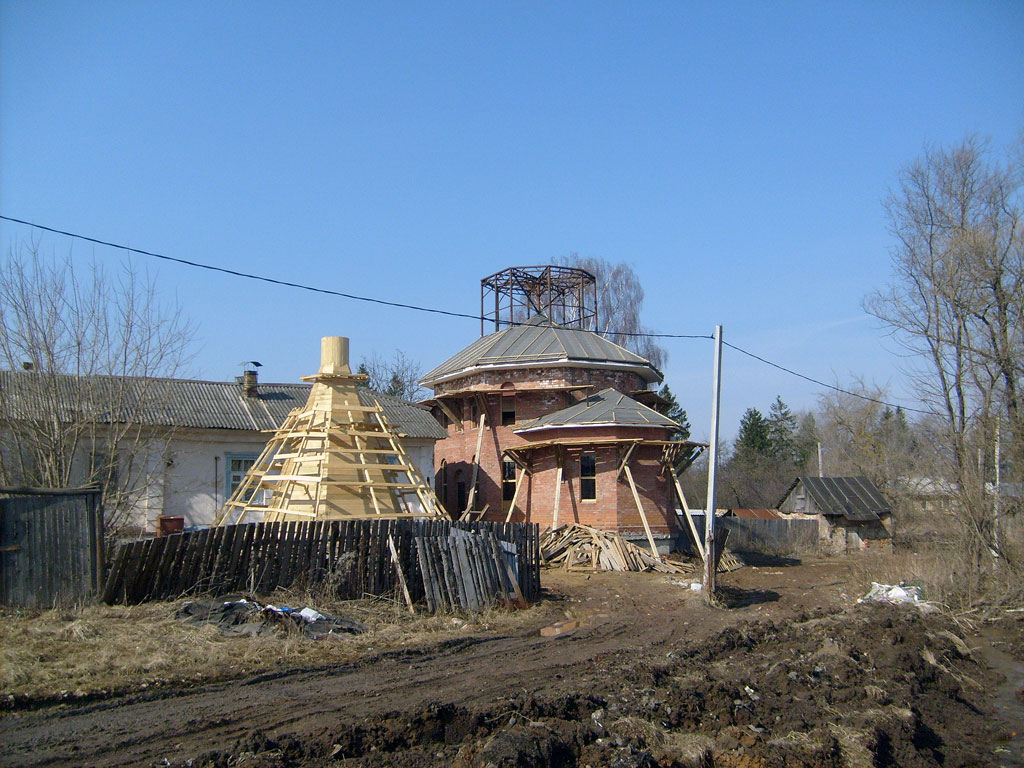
(202, 435)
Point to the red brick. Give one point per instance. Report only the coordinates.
(614, 507)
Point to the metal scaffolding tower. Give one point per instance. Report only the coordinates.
(565, 295)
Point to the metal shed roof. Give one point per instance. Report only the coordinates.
(540, 342)
(184, 403)
(609, 406)
(756, 514)
(855, 498)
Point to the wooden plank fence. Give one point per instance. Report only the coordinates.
(769, 536)
(352, 558)
(468, 571)
(51, 546)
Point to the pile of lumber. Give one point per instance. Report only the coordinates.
(729, 562)
(582, 548)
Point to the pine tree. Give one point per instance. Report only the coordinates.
(806, 443)
(781, 431)
(674, 411)
(754, 439)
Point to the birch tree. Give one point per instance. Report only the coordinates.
(620, 300)
(81, 350)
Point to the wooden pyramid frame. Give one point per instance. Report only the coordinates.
(333, 459)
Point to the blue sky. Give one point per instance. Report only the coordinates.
(734, 154)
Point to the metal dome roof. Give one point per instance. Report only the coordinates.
(540, 343)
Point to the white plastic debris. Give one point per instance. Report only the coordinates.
(696, 586)
(310, 615)
(893, 593)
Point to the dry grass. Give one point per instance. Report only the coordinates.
(929, 569)
(93, 649)
(853, 743)
(684, 750)
(947, 576)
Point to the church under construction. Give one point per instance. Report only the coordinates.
(550, 422)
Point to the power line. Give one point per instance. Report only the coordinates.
(823, 384)
(236, 273)
(432, 310)
(301, 286)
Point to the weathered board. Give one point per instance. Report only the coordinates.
(767, 536)
(468, 570)
(353, 557)
(51, 547)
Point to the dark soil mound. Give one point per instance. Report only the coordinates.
(872, 686)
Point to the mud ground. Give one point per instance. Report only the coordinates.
(790, 673)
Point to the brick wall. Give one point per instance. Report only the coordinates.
(614, 508)
(458, 448)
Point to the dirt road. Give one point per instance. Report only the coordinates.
(787, 675)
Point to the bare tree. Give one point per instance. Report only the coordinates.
(620, 299)
(80, 350)
(956, 304)
(863, 437)
(398, 377)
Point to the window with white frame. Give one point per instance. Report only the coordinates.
(237, 465)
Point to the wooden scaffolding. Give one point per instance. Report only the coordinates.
(333, 458)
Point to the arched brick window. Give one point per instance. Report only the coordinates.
(460, 491)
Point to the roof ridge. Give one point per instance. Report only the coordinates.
(538, 344)
(175, 379)
(607, 401)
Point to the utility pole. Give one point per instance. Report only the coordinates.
(710, 553)
(821, 470)
(997, 459)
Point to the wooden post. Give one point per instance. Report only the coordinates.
(476, 460)
(455, 420)
(401, 576)
(643, 516)
(686, 511)
(710, 558)
(558, 488)
(625, 459)
(512, 504)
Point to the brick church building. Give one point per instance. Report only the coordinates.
(550, 422)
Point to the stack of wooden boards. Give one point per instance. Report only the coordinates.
(582, 548)
(729, 562)
(469, 571)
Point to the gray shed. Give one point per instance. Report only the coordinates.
(852, 513)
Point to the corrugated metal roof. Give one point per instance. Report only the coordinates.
(609, 406)
(408, 418)
(540, 341)
(184, 403)
(855, 498)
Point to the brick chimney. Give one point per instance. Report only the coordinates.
(250, 383)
